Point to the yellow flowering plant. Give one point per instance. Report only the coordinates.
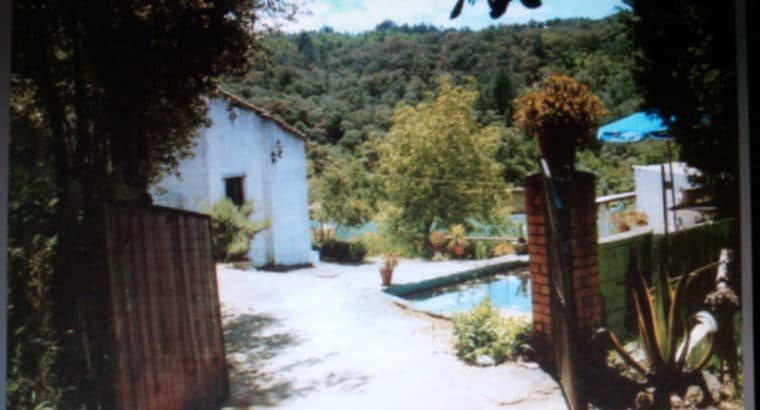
(561, 113)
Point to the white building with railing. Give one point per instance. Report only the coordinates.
(650, 199)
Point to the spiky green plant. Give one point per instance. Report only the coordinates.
(233, 229)
(663, 326)
(456, 236)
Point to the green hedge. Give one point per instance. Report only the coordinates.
(334, 250)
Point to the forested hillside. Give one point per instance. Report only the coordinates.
(342, 89)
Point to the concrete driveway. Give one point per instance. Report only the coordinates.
(328, 338)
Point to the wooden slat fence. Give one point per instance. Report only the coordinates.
(693, 247)
(163, 313)
(617, 257)
(688, 249)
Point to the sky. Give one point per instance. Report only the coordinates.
(355, 16)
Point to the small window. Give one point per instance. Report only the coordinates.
(233, 189)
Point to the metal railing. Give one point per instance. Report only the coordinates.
(607, 206)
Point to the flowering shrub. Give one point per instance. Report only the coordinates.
(437, 240)
(629, 219)
(482, 331)
(559, 104)
(503, 248)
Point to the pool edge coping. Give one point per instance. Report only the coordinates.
(395, 292)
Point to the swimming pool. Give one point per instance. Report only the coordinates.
(509, 293)
(507, 288)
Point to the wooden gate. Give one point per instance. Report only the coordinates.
(564, 325)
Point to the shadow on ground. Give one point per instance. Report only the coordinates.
(250, 344)
(610, 390)
(604, 387)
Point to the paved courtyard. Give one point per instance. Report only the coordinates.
(327, 337)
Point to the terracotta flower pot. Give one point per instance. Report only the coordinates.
(386, 275)
(458, 250)
(558, 149)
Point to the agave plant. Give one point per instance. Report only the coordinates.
(668, 336)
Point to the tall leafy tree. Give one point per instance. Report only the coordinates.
(436, 166)
(121, 83)
(686, 72)
(112, 94)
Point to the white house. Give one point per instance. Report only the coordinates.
(649, 195)
(246, 154)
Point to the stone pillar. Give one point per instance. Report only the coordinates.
(579, 196)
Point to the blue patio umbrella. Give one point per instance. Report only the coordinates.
(634, 128)
(638, 127)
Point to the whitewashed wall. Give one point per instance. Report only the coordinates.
(242, 147)
(289, 191)
(190, 187)
(649, 195)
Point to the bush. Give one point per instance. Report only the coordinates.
(483, 249)
(437, 240)
(321, 234)
(482, 331)
(503, 248)
(356, 251)
(342, 251)
(233, 229)
(379, 243)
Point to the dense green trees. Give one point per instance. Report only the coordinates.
(360, 78)
(686, 72)
(613, 163)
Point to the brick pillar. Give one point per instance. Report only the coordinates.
(580, 197)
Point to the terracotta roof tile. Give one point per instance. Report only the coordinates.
(241, 103)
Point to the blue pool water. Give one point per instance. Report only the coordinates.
(510, 293)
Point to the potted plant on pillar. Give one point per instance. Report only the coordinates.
(562, 114)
